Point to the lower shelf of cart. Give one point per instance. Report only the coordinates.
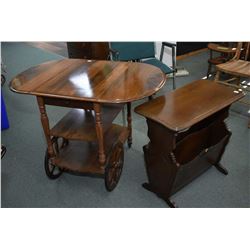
(82, 157)
(79, 124)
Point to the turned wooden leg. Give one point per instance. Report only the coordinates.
(171, 204)
(129, 119)
(221, 168)
(217, 76)
(99, 132)
(45, 125)
(238, 81)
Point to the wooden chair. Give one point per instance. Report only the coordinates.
(238, 67)
(226, 52)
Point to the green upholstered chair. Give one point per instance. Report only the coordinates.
(144, 52)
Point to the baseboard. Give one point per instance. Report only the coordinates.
(181, 71)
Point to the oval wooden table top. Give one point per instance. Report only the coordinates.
(87, 80)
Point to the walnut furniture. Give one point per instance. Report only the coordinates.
(187, 134)
(226, 53)
(238, 67)
(86, 141)
(88, 50)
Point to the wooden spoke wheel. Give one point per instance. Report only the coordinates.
(51, 170)
(114, 166)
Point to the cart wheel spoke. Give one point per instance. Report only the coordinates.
(114, 166)
(65, 142)
(51, 170)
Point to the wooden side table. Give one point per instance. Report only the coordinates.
(86, 141)
(187, 134)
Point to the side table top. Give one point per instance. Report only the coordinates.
(89, 80)
(180, 109)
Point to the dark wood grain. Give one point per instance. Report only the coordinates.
(235, 67)
(187, 135)
(220, 48)
(60, 102)
(82, 157)
(226, 53)
(100, 89)
(78, 124)
(88, 50)
(177, 111)
(195, 142)
(45, 124)
(96, 81)
(99, 133)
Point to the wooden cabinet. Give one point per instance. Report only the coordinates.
(88, 50)
(187, 134)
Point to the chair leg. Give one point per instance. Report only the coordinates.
(174, 65)
(174, 86)
(238, 81)
(161, 53)
(123, 117)
(129, 124)
(209, 69)
(217, 76)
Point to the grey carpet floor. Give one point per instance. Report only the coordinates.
(23, 180)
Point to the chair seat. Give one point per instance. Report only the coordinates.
(235, 67)
(159, 64)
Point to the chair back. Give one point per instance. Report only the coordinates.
(246, 51)
(133, 51)
(242, 51)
